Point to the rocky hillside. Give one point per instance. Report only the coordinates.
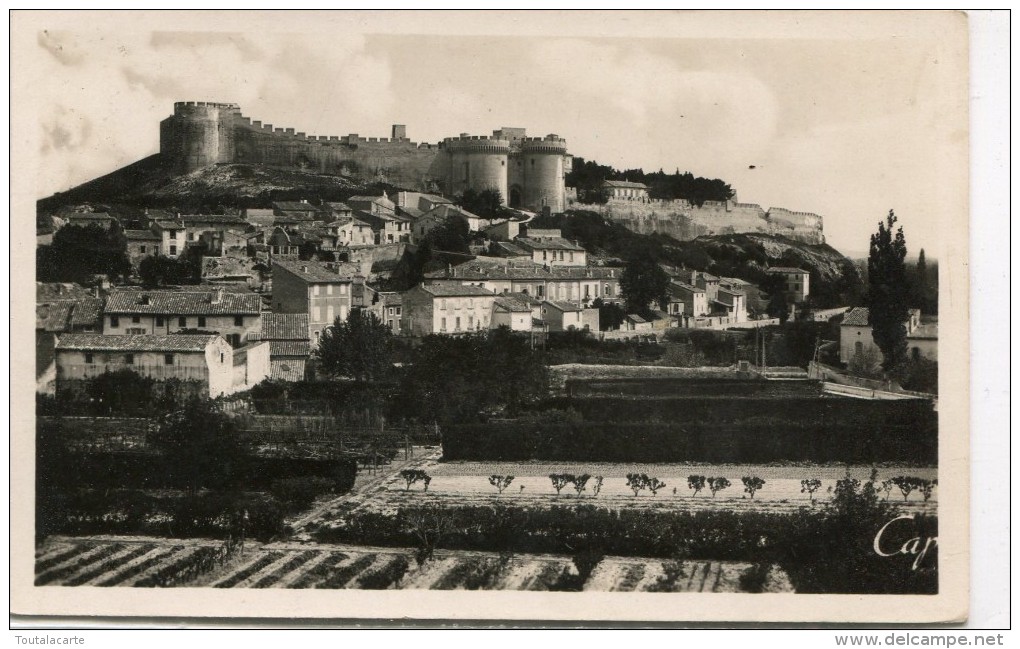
(835, 279)
(147, 183)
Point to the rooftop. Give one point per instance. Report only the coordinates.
(146, 343)
(183, 303)
(284, 326)
(226, 219)
(476, 270)
(141, 235)
(315, 272)
(787, 269)
(455, 290)
(289, 347)
(551, 243)
(674, 285)
(516, 302)
(564, 306)
(624, 184)
(858, 316)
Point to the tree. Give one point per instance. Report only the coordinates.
(638, 482)
(358, 347)
(500, 482)
(611, 316)
(643, 282)
(752, 484)
(889, 292)
(906, 484)
(717, 484)
(487, 203)
(887, 486)
(810, 486)
(580, 482)
(428, 525)
(654, 485)
(412, 476)
(77, 253)
(597, 487)
(201, 446)
(560, 480)
(926, 487)
(696, 483)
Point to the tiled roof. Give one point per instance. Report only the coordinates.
(515, 302)
(64, 315)
(99, 342)
(287, 370)
(168, 224)
(315, 272)
(476, 270)
(392, 299)
(455, 290)
(289, 347)
(183, 303)
(564, 306)
(223, 219)
(730, 291)
(624, 184)
(551, 243)
(511, 249)
(295, 206)
(682, 286)
(141, 235)
(45, 291)
(338, 206)
(857, 317)
(284, 326)
(787, 269)
(635, 318)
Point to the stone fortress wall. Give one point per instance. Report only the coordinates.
(684, 221)
(528, 172)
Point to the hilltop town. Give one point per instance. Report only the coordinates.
(335, 341)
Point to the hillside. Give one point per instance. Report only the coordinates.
(147, 183)
(835, 279)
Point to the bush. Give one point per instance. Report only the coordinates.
(298, 494)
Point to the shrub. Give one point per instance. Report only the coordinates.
(810, 486)
(560, 480)
(717, 484)
(696, 483)
(298, 494)
(752, 484)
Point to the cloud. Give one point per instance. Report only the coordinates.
(127, 82)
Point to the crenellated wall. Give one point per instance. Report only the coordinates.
(204, 133)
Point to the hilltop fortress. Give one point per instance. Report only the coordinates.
(529, 172)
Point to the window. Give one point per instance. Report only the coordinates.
(141, 249)
(88, 358)
(316, 314)
(329, 314)
(221, 357)
(159, 321)
(238, 320)
(329, 289)
(201, 321)
(442, 305)
(391, 310)
(135, 331)
(442, 324)
(315, 289)
(173, 251)
(136, 319)
(114, 321)
(182, 322)
(173, 234)
(858, 347)
(168, 359)
(343, 289)
(457, 324)
(129, 359)
(471, 322)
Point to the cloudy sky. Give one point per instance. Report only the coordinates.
(846, 116)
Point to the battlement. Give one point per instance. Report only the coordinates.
(476, 143)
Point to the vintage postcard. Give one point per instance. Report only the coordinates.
(587, 316)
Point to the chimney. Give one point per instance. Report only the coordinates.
(304, 269)
(145, 299)
(217, 296)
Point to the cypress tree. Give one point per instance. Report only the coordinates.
(889, 292)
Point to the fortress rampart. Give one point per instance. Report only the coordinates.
(684, 221)
(199, 134)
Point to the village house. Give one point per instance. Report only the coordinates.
(686, 300)
(142, 244)
(504, 230)
(60, 308)
(314, 289)
(797, 281)
(446, 309)
(388, 227)
(389, 310)
(559, 283)
(338, 210)
(289, 346)
(196, 224)
(375, 205)
(567, 316)
(517, 311)
(553, 251)
(260, 217)
(171, 236)
(351, 232)
(85, 219)
(634, 322)
(282, 244)
(730, 303)
(209, 360)
(625, 190)
(418, 201)
(235, 316)
(298, 210)
(855, 335)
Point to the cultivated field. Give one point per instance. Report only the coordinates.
(144, 563)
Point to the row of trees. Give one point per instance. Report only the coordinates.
(588, 177)
(78, 253)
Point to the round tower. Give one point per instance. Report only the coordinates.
(542, 162)
(477, 163)
(198, 134)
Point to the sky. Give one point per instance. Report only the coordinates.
(810, 116)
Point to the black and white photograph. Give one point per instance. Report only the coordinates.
(619, 307)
